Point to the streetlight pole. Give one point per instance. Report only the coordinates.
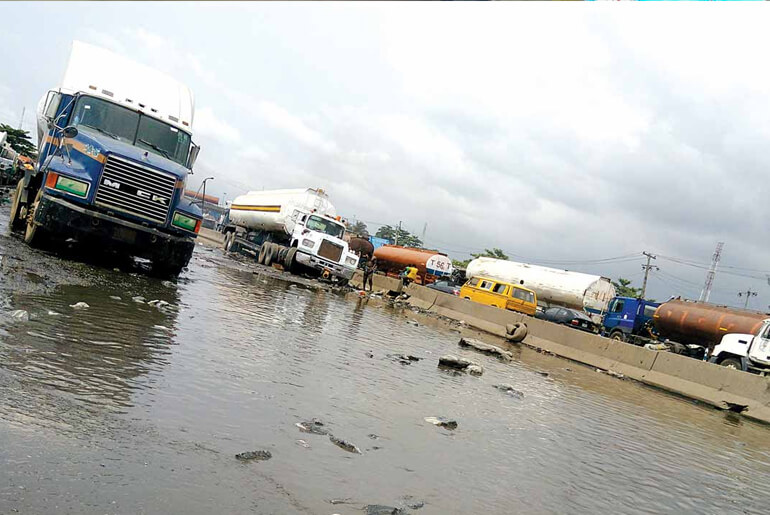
(203, 198)
(748, 293)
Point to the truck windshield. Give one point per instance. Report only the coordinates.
(131, 127)
(316, 223)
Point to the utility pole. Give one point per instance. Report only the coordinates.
(706, 292)
(398, 231)
(647, 269)
(748, 293)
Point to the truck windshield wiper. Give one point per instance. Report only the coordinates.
(156, 148)
(103, 131)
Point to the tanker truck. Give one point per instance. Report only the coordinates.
(431, 265)
(297, 228)
(115, 149)
(732, 337)
(554, 287)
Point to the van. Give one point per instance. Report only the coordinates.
(500, 294)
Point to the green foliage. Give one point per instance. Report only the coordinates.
(19, 140)
(623, 288)
(493, 253)
(359, 229)
(405, 238)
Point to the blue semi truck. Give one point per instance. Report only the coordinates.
(115, 150)
(633, 320)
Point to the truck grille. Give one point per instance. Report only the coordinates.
(129, 187)
(330, 251)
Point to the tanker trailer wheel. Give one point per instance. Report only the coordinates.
(288, 262)
(618, 336)
(35, 236)
(228, 241)
(269, 254)
(733, 363)
(262, 252)
(16, 222)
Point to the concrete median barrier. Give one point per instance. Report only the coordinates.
(723, 388)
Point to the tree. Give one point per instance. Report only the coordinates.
(494, 253)
(405, 238)
(623, 288)
(359, 230)
(19, 140)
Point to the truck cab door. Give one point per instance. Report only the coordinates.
(615, 313)
(759, 351)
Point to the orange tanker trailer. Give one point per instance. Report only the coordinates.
(699, 323)
(431, 264)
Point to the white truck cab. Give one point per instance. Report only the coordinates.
(746, 352)
(320, 243)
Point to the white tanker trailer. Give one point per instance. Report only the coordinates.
(554, 287)
(298, 228)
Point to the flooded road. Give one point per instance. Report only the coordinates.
(124, 407)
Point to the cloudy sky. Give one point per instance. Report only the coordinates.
(563, 134)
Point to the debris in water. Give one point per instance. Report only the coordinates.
(404, 359)
(452, 361)
(442, 422)
(167, 284)
(158, 303)
(544, 374)
(20, 315)
(373, 436)
(79, 305)
(115, 297)
(379, 509)
(138, 299)
(412, 322)
(486, 348)
(510, 390)
(304, 444)
(254, 455)
(615, 374)
(475, 370)
(344, 445)
(315, 427)
(54, 313)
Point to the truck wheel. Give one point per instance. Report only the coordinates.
(288, 262)
(618, 336)
(35, 236)
(15, 222)
(229, 241)
(733, 363)
(261, 254)
(269, 254)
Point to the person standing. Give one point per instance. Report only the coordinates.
(370, 267)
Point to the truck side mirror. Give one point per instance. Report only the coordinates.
(70, 131)
(194, 151)
(52, 101)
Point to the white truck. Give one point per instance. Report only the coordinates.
(554, 287)
(745, 351)
(297, 228)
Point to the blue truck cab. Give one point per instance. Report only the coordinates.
(113, 164)
(627, 317)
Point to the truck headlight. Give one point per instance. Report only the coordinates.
(351, 261)
(62, 183)
(186, 222)
(308, 243)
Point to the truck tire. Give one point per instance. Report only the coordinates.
(35, 236)
(288, 262)
(261, 254)
(516, 332)
(733, 363)
(269, 254)
(618, 336)
(15, 221)
(229, 237)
